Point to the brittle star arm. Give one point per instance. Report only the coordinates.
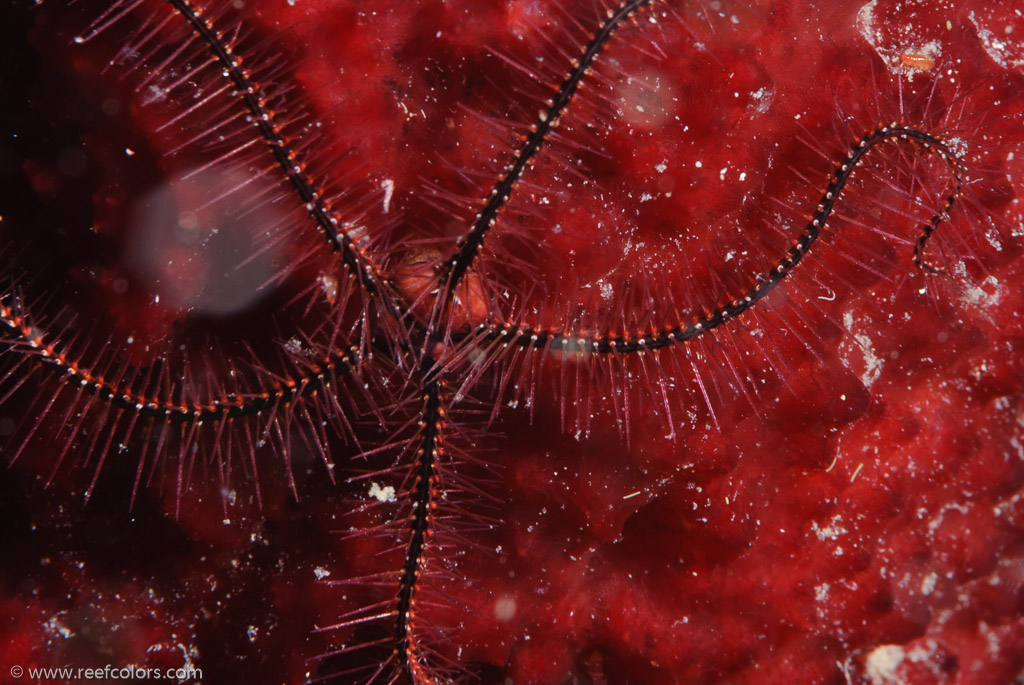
(468, 245)
(26, 338)
(731, 308)
(338, 233)
(23, 337)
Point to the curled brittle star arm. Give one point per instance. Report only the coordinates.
(23, 337)
(638, 341)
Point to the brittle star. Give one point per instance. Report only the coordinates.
(430, 345)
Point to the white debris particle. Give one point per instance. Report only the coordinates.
(320, 572)
(992, 238)
(922, 653)
(389, 190)
(821, 592)
(252, 632)
(830, 531)
(928, 583)
(329, 285)
(882, 663)
(661, 168)
(979, 296)
(156, 94)
(762, 100)
(958, 146)
(55, 626)
(189, 653)
(939, 518)
(383, 494)
(872, 364)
